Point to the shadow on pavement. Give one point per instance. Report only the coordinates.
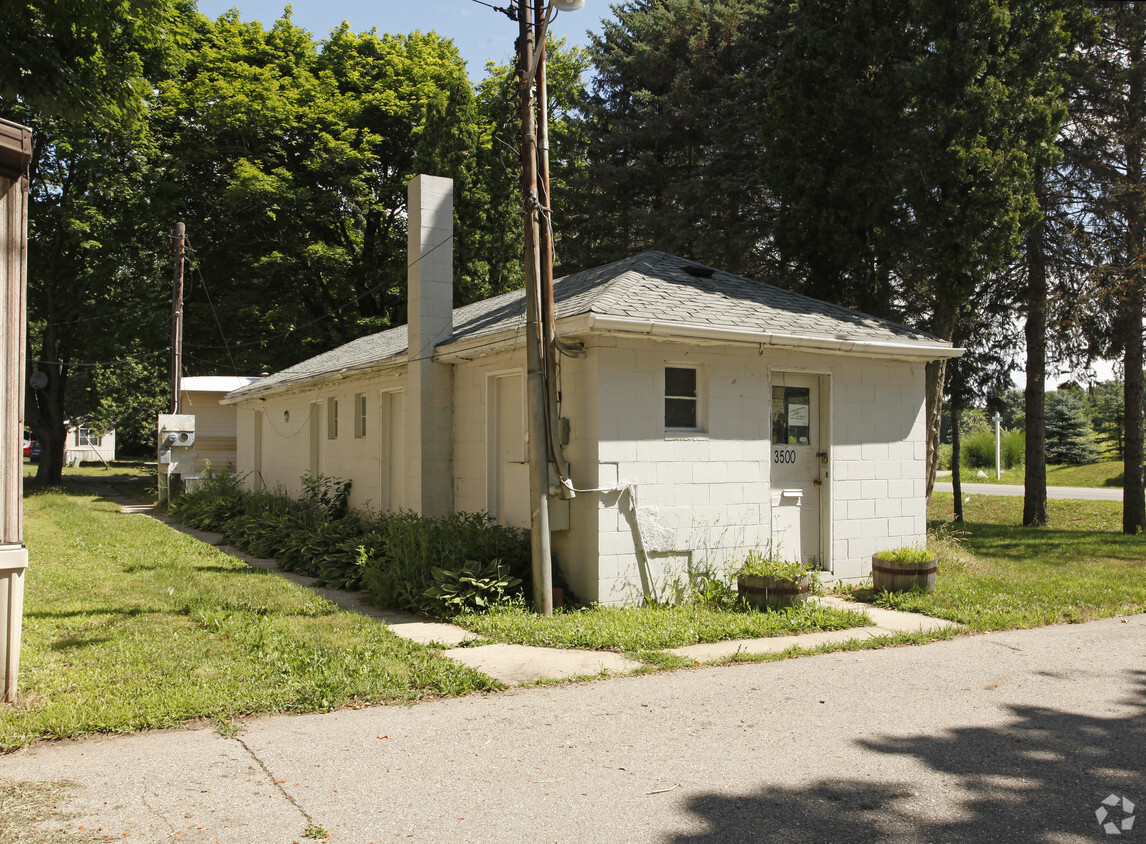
(1040, 778)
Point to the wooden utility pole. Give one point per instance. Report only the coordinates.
(177, 317)
(535, 401)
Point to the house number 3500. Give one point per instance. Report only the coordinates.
(783, 455)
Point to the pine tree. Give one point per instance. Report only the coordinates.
(1070, 439)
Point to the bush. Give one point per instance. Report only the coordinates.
(978, 449)
(771, 564)
(327, 494)
(408, 547)
(944, 459)
(475, 587)
(209, 506)
(480, 563)
(906, 554)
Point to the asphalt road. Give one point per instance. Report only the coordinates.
(1084, 493)
(1005, 737)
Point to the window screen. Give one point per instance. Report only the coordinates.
(680, 397)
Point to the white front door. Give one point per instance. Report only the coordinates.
(798, 466)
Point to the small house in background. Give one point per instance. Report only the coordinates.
(86, 444)
(709, 414)
(215, 430)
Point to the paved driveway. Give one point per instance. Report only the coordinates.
(1085, 493)
(1004, 737)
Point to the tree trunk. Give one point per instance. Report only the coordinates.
(1035, 477)
(943, 327)
(45, 414)
(956, 449)
(1133, 495)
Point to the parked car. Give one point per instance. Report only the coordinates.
(27, 447)
(34, 451)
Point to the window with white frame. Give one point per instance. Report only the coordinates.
(360, 415)
(682, 398)
(88, 437)
(332, 419)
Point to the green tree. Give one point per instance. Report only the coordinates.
(987, 100)
(289, 166)
(498, 234)
(1110, 131)
(79, 75)
(1070, 439)
(833, 82)
(82, 59)
(879, 153)
(671, 152)
(95, 299)
(1107, 415)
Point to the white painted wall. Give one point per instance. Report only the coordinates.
(701, 497)
(286, 438)
(704, 498)
(215, 430)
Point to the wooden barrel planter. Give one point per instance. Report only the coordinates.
(773, 592)
(892, 576)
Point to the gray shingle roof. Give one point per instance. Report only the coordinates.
(652, 286)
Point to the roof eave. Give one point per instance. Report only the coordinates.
(918, 350)
(304, 382)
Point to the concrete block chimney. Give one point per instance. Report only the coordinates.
(430, 306)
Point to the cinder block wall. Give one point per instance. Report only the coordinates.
(704, 499)
(879, 462)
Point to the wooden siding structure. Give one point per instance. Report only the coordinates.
(15, 153)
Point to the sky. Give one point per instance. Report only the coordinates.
(479, 32)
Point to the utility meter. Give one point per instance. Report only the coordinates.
(176, 436)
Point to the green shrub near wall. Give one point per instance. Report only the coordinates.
(392, 555)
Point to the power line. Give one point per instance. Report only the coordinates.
(115, 315)
(510, 13)
(214, 313)
(117, 362)
(289, 332)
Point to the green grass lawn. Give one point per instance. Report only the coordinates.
(129, 625)
(997, 575)
(653, 628)
(129, 468)
(1105, 474)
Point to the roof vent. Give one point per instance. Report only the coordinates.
(697, 271)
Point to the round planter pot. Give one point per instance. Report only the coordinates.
(888, 576)
(773, 592)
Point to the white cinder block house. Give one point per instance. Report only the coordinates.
(712, 413)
